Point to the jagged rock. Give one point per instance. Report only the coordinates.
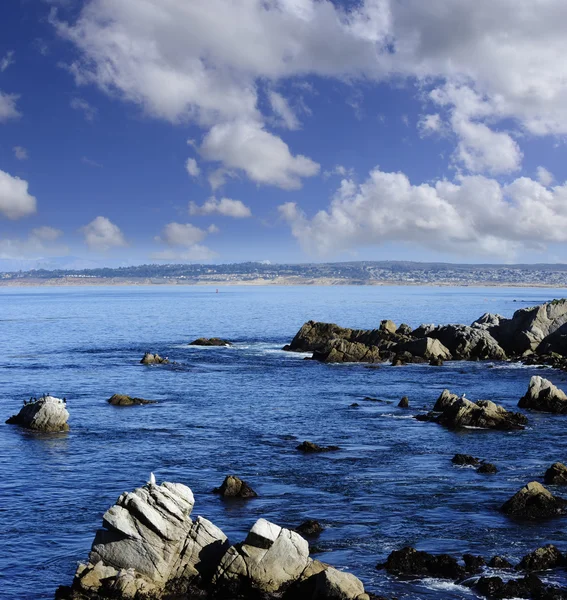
(404, 402)
(527, 587)
(148, 542)
(542, 395)
(310, 447)
(310, 528)
(465, 459)
(436, 362)
(487, 468)
(332, 584)
(487, 321)
(404, 329)
(427, 348)
(388, 326)
(153, 359)
(473, 564)
(48, 414)
(122, 400)
(210, 342)
(499, 562)
(468, 343)
(542, 559)
(340, 351)
(234, 487)
(459, 412)
(423, 330)
(556, 474)
(411, 562)
(534, 502)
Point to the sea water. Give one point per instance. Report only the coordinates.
(242, 410)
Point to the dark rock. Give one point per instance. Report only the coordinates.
(388, 326)
(534, 502)
(310, 528)
(543, 396)
(234, 487)
(404, 329)
(542, 559)
(355, 405)
(123, 400)
(404, 402)
(153, 359)
(411, 562)
(465, 459)
(210, 342)
(487, 468)
(310, 447)
(499, 562)
(398, 361)
(556, 474)
(526, 587)
(341, 351)
(473, 564)
(436, 362)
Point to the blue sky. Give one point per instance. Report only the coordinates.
(135, 131)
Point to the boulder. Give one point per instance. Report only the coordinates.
(210, 342)
(526, 587)
(341, 351)
(404, 402)
(465, 459)
(310, 528)
(411, 562)
(427, 348)
(332, 584)
(123, 400)
(556, 474)
(534, 502)
(404, 329)
(311, 448)
(542, 559)
(234, 487)
(468, 343)
(423, 330)
(153, 359)
(388, 326)
(48, 414)
(487, 468)
(499, 562)
(543, 396)
(436, 362)
(488, 321)
(473, 563)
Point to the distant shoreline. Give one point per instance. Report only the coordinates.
(280, 281)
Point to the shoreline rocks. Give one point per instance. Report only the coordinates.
(543, 396)
(534, 502)
(154, 359)
(123, 400)
(47, 414)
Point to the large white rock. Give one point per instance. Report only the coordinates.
(542, 395)
(48, 414)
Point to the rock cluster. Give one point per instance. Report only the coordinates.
(543, 396)
(534, 502)
(153, 359)
(214, 341)
(123, 400)
(149, 547)
(47, 414)
(457, 412)
(471, 461)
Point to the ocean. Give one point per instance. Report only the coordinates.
(242, 410)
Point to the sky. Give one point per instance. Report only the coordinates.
(168, 131)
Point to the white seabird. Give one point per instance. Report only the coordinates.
(152, 480)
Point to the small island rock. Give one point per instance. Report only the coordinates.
(543, 396)
(47, 414)
(534, 502)
(310, 528)
(234, 487)
(556, 474)
(153, 359)
(214, 341)
(123, 400)
(542, 559)
(404, 402)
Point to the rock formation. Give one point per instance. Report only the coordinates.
(123, 400)
(48, 414)
(542, 395)
(339, 351)
(542, 559)
(214, 341)
(468, 343)
(534, 502)
(404, 402)
(415, 563)
(311, 448)
(153, 359)
(556, 474)
(234, 487)
(310, 528)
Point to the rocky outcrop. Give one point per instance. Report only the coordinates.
(415, 563)
(214, 341)
(488, 321)
(311, 448)
(150, 548)
(542, 559)
(468, 343)
(534, 502)
(48, 414)
(427, 348)
(471, 461)
(153, 359)
(529, 586)
(556, 474)
(457, 412)
(341, 351)
(234, 487)
(499, 562)
(123, 400)
(542, 395)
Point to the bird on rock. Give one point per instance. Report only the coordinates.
(152, 480)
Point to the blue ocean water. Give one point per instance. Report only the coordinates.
(242, 410)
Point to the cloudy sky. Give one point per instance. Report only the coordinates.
(135, 131)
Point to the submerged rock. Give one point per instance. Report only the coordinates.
(527, 587)
(556, 474)
(153, 359)
(404, 402)
(123, 400)
(310, 447)
(465, 459)
(415, 563)
(310, 528)
(234, 487)
(487, 468)
(48, 414)
(542, 559)
(534, 502)
(542, 395)
(210, 342)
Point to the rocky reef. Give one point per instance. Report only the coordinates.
(123, 400)
(46, 414)
(153, 359)
(214, 341)
(540, 331)
(150, 549)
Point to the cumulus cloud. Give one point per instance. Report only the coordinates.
(80, 104)
(39, 243)
(20, 153)
(187, 237)
(8, 108)
(225, 206)
(430, 124)
(192, 167)
(280, 106)
(15, 201)
(544, 176)
(46, 233)
(475, 215)
(101, 234)
(264, 157)
(6, 61)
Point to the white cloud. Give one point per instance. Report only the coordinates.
(181, 234)
(429, 124)
(39, 243)
(101, 234)
(187, 237)
(265, 158)
(218, 177)
(544, 176)
(20, 153)
(8, 108)
(213, 229)
(15, 201)
(46, 233)
(225, 206)
(339, 170)
(7, 61)
(192, 167)
(475, 215)
(281, 108)
(83, 106)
